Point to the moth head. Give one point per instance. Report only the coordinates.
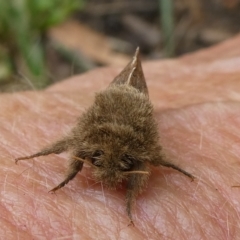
(112, 169)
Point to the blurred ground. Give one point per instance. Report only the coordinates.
(106, 32)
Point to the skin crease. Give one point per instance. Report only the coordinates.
(196, 106)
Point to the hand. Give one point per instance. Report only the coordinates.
(195, 100)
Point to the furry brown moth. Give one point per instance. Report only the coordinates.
(117, 136)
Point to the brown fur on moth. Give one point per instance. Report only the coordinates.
(117, 136)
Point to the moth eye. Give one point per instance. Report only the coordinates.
(97, 153)
(96, 162)
(96, 158)
(126, 163)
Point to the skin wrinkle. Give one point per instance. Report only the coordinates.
(183, 210)
(198, 230)
(168, 209)
(177, 229)
(14, 220)
(224, 224)
(96, 214)
(40, 171)
(228, 230)
(203, 225)
(105, 230)
(6, 232)
(213, 215)
(61, 211)
(183, 219)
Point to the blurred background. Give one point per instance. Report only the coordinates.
(45, 41)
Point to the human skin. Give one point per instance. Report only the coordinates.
(196, 105)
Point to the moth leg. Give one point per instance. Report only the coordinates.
(74, 167)
(135, 184)
(57, 148)
(171, 165)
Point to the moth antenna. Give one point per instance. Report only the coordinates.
(132, 75)
(84, 161)
(137, 172)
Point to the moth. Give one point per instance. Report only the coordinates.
(117, 136)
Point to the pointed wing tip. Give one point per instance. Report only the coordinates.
(137, 52)
(135, 59)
